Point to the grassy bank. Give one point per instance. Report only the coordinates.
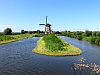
(11, 38)
(55, 46)
(93, 40)
(91, 36)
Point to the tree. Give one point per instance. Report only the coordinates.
(22, 31)
(30, 32)
(38, 31)
(78, 33)
(57, 32)
(88, 33)
(94, 33)
(98, 34)
(8, 31)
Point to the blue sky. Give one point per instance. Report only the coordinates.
(62, 14)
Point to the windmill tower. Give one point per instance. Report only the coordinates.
(47, 27)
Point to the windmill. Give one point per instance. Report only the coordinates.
(47, 27)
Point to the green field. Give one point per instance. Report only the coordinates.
(11, 38)
(54, 46)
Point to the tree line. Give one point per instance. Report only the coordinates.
(91, 36)
(8, 31)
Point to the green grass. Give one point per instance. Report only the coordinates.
(55, 46)
(11, 38)
(93, 40)
(87, 39)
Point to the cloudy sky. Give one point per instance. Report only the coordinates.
(62, 14)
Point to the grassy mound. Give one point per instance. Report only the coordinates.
(55, 46)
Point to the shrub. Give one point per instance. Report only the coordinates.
(78, 33)
(97, 41)
(30, 32)
(93, 33)
(22, 31)
(93, 40)
(6, 37)
(88, 33)
(79, 37)
(98, 34)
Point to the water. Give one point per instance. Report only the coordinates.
(17, 58)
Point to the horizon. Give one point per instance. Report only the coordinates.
(73, 15)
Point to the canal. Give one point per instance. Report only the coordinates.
(17, 58)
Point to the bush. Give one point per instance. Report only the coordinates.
(22, 32)
(79, 37)
(93, 33)
(97, 41)
(30, 32)
(98, 34)
(78, 33)
(93, 40)
(8, 31)
(88, 33)
(38, 31)
(6, 38)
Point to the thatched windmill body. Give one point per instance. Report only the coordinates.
(47, 27)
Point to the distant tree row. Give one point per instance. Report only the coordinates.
(31, 32)
(8, 31)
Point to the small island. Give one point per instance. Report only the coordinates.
(52, 45)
